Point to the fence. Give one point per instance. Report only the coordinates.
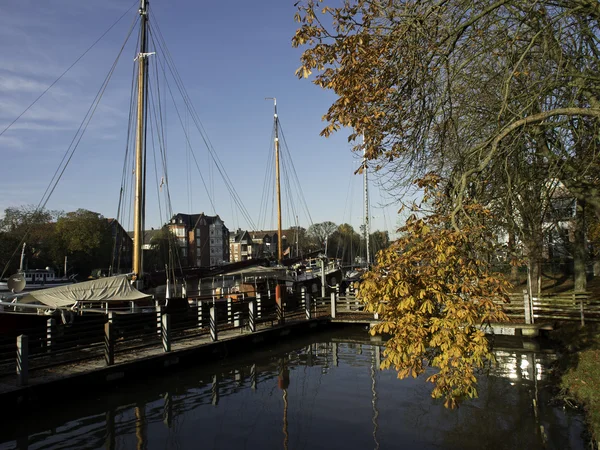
(116, 335)
(570, 306)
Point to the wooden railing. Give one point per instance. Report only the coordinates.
(571, 306)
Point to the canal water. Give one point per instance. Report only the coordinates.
(322, 392)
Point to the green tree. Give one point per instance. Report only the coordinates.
(35, 228)
(84, 236)
(163, 251)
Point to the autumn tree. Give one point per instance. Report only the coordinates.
(435, 293)
(470, 90)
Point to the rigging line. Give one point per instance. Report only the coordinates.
(103, 86)
(68, 68)
(200, 127)
(187, 140)
(71, 148)
(198, 124)
(267, 182)
(295, 173)
(127, 152)
(174, 258)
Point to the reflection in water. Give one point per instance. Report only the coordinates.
(320, 393)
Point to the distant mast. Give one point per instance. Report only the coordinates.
(138, 220)
(277, 182)
(366, 189)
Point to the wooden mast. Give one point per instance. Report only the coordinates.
(138, 221)
(277, 182)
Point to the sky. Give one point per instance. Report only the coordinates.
(230, 55)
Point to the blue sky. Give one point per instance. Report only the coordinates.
(230, 56)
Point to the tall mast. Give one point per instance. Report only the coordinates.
(277, 182)
(138, 220)
(366, 189)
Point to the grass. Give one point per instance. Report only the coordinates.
(579, 369)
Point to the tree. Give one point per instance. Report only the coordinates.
(164, 251)
(86, 238)
(434, 291)
(463, 89)
(319, 232)
(35, 228)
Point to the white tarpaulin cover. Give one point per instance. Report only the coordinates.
(108, 289)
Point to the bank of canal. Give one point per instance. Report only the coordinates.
(320, 391)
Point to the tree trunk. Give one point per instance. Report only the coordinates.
(580, 248)
(512, 257)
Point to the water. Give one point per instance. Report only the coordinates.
(319, 393)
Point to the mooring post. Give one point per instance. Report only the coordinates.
(307, 307)
(49, 333)
(229, 311)
(303, 296)
(22, 360)
(333, 305)
(166, 332)
(109, 341)
(252, 315)
(258, 305)
(279, 304)
(159, 313)
(213, 323)
(200, 309)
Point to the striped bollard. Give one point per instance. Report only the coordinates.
(166, 332)
(258, 306)
(22, 360)
(252, 315)
(303, 296)
(109, 341)
(213, 323)
(200, 309)
(49, 332)
(307, 307)
(159, 313)
(229, 311)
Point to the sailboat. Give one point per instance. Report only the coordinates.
(122, 288)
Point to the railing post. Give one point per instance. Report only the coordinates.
(307, 307)
(49, 333)
(200, 309)
(258, 306)
(213, 323)
(527, 306)
(229, 311)
(22, 360)
(252, 315)
(166, 332)
(159, 314)
(109, 341)
(333, 305)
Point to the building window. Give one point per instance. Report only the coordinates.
(180, 232)
(184, 252)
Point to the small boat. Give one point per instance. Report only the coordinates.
(37, 279)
